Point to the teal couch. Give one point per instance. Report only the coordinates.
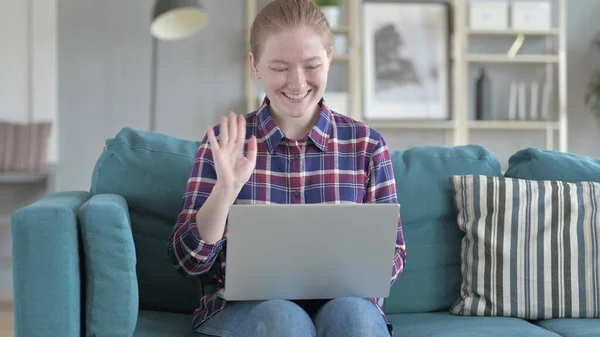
(94, 263)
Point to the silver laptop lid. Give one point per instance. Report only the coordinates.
(310, 251)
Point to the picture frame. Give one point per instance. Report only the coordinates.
(406, 60)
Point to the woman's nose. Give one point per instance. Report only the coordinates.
(296, 79)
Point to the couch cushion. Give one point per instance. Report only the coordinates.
(160, 324)
(530, 248)
(111, 297)
(150, 171)
(536, 164)
(573, 327)
(431, 278)
(447, 325)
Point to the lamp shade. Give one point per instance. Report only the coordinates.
(177, 19)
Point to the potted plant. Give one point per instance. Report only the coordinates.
(331, 9)
(592, 97)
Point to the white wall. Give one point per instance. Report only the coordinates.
(104, 84)
(583, 59)
(104, 50)
(105, 58)
(28, 64)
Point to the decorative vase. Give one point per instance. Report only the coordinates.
(483, 96)
(332, 13)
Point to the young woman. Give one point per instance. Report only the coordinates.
(293, 149)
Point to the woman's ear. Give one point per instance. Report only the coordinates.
(253, 67)
(330, 55)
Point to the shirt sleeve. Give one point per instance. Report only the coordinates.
(381, 188)
(191, 255)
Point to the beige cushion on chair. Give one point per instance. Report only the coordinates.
(24, 146)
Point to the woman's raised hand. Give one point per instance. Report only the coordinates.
(232, 167)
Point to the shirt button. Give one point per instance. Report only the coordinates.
(296, 156)
(296, 194)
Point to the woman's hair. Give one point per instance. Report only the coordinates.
(278, 15)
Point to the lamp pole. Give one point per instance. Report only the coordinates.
(153, 84)
(171, 20)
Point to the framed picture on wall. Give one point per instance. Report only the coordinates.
(406, 60)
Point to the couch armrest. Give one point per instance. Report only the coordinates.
(111, 300)
(46, 266)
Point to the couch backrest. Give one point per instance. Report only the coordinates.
(150, 171)
(432, 275)
(537, 164)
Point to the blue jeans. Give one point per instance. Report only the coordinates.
(348, 317)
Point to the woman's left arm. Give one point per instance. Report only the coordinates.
(381, 188)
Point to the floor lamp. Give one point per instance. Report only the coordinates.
(172, 20)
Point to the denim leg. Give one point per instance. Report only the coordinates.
(259, 319)
(350, 317)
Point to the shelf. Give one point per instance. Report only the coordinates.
(449, 125)
(513, 125)
(411, 124)
(499, 58)
(340, 30)
(22, 177)
(341, 58)
(549, 32)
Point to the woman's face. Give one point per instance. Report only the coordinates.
(293, 67)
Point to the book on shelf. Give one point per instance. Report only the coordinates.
(539, 101)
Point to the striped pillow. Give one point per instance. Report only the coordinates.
(24, 146)
(531, 248)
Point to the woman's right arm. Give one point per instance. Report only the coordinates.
(219, 171)
(191, 252)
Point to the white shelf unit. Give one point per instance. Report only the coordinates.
(459, 127)
(500, 58)
(22, 177)
(510, 31)
(554, 58)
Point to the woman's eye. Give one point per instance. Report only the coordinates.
(280, 69)
(313, 67)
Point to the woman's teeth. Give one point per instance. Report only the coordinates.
(299, 96)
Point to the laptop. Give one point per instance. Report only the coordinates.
(309, 251)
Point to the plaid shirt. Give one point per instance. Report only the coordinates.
(340, 160)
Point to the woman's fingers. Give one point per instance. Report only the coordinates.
(241, 135)
(224, 131)
(252, 150)
(232, 130)
(212, 140)
(233, 127)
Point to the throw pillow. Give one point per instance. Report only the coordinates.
(531, 248)
(24, 146)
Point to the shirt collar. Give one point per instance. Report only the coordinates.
(270, 133)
